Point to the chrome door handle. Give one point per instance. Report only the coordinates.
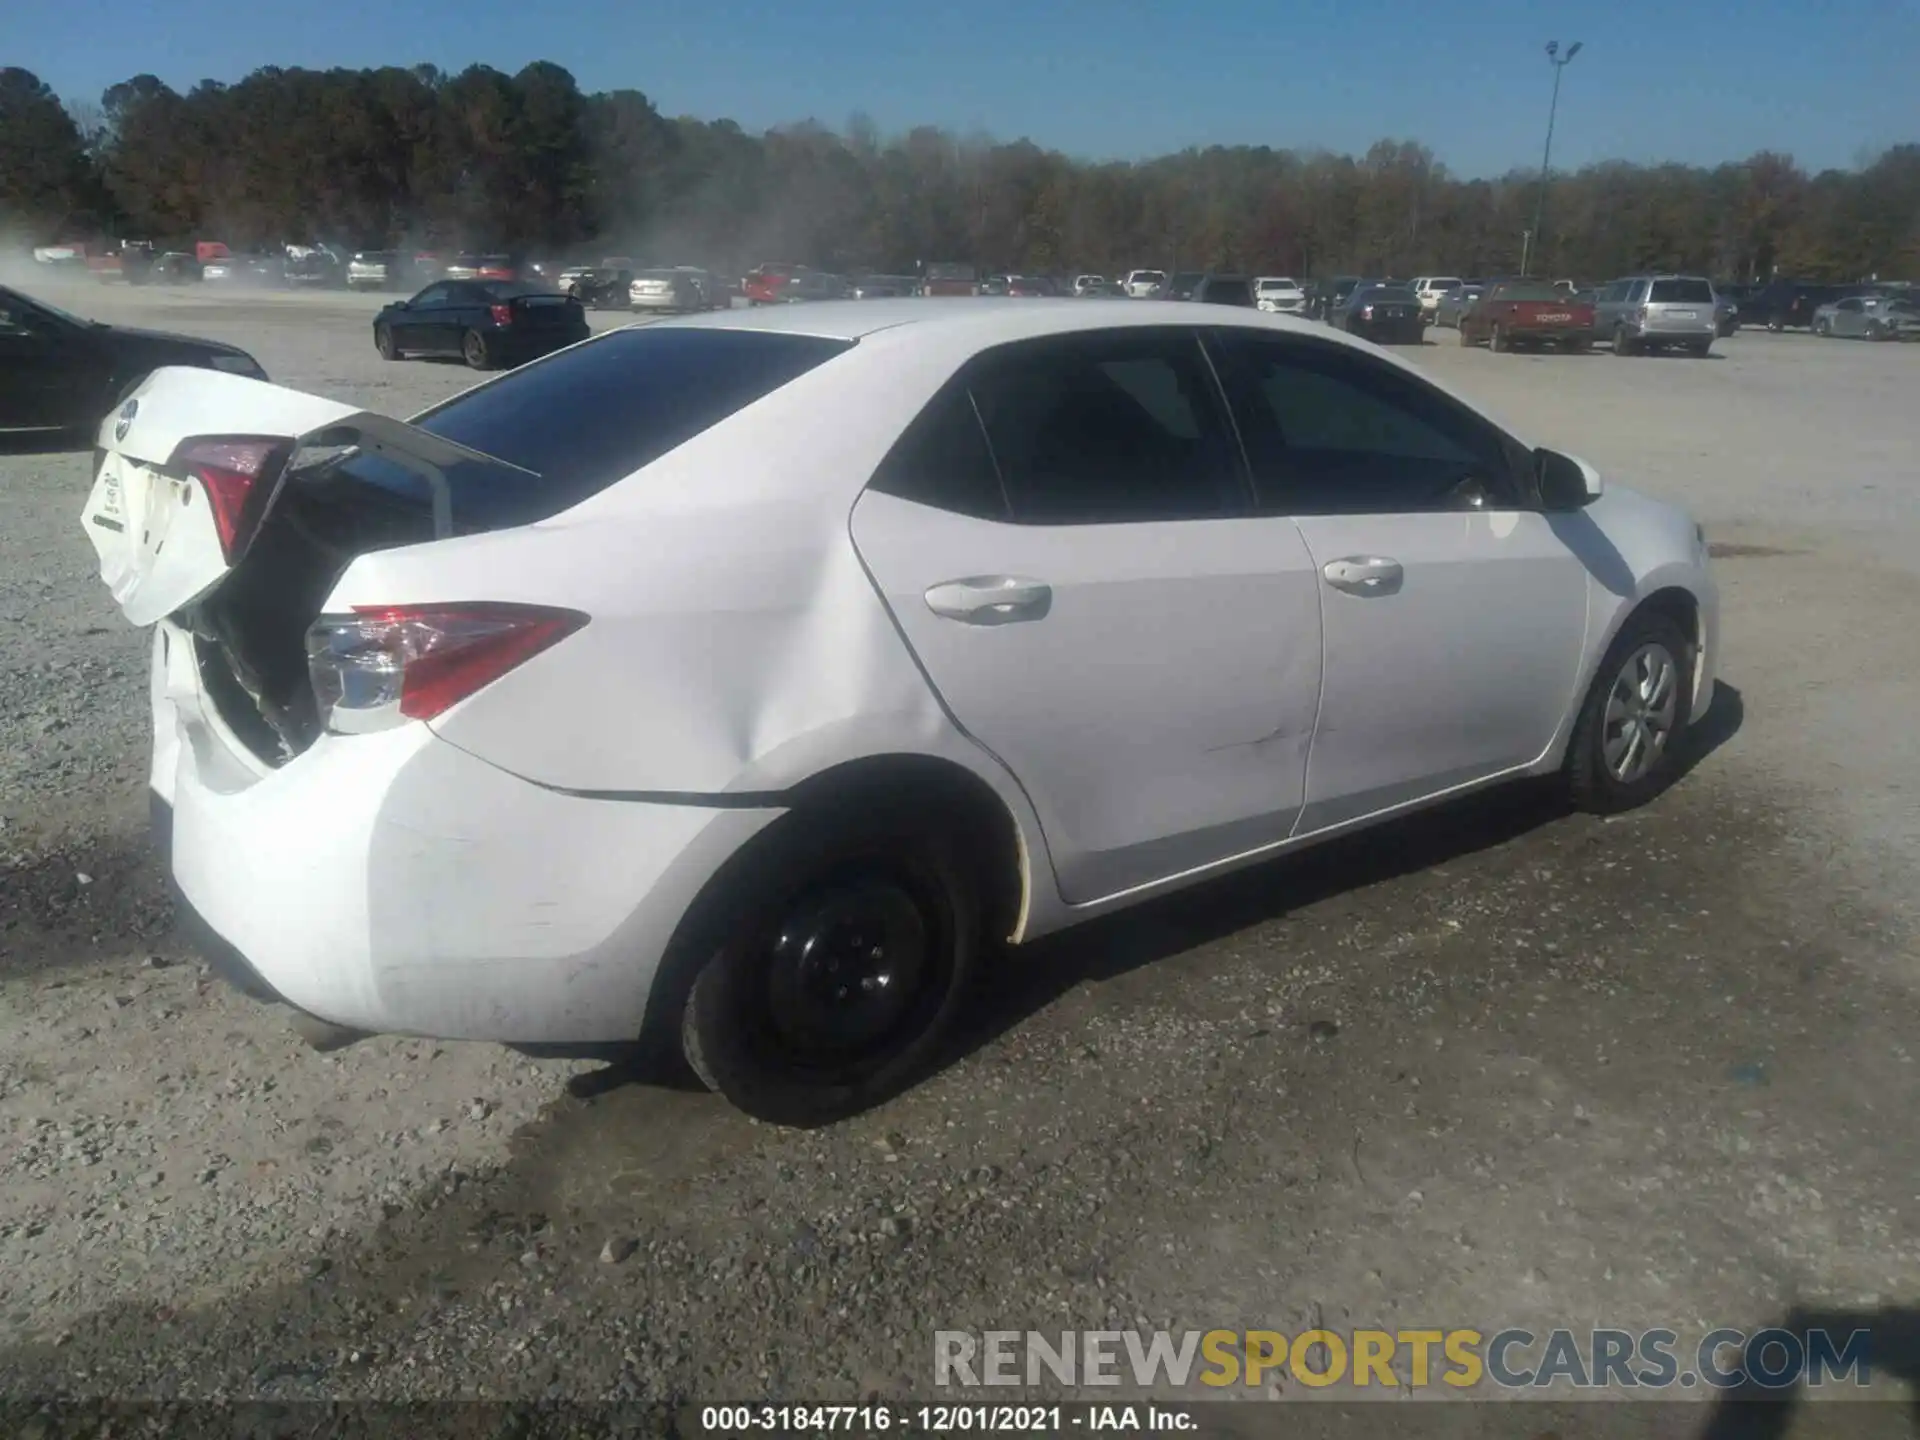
(1364, 574)
(991, 600)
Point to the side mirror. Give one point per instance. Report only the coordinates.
(1566, 482)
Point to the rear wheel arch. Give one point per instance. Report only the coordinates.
(949, 797)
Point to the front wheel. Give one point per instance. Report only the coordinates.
(383, 342)
(474, 350)
(849, 953)
(1626, 743)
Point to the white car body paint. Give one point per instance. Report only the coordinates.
(1195, 698)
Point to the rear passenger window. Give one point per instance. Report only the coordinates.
(942, 460)
(1109, 426)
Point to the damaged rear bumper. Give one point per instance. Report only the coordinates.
(395, 883)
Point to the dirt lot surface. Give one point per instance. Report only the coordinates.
(1494, 1067)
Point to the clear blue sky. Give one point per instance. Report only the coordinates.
(1692, 80)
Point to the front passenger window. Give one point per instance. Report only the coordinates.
(1329, 433)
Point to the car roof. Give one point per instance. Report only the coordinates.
(982, 321)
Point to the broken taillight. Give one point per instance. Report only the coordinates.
(238, 474)
(384, 664)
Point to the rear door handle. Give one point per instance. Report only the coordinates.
(1364, 574)
(991, 600)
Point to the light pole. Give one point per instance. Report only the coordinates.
(1559, 63)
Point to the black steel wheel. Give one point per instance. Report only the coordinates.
(852, 949)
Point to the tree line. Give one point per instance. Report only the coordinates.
(483, 159)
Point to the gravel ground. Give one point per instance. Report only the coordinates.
(1496, 1066)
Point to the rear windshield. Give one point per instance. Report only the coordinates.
(596, 413)
(1531, 292)
(1388, 293)
(1681, 292)
(1149, 277)
(1278, 285)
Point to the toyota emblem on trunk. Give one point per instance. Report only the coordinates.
(127, 412)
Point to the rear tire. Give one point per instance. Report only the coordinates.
(1621, 344)
(475, 351)
(1604, 772)
(1465, 338)
(1700, 349)
(796, 1019)
(1497, 340)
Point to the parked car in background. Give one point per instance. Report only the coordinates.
(1031, 286)
(1870, 317)
(595, 286)
(1726, 313)
(313, 267)
(1105, 290)
(62, 372)
(814, 285)
(222, 270)
(1225, 290)
(1144, 284)
(1084, 284)
(1279, 295)
(1528, 315)
(1331, 296)
(664, 292)
(762, 284)
(882, 287)
(374, 270)
(948, 278)
(1645, 313)
(705, 286)
(176, 267)
(1181, 285)
(1788, 304)
(1455, 302)
(1385, 314)
(1429, 289)
(487, 323)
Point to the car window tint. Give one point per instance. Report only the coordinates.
(1681, 292)
(942, 459)
(1332, 433)
(592, 415)
(1110, 426)
(433, 295)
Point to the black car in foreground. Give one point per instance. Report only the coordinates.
(484, 322)
(1385, 314)
(63, 373)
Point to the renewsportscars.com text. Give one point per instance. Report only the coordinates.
(1511, 1359)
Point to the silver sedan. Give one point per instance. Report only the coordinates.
(1870, 317)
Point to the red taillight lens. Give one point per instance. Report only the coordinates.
(237, 474)
(503, 314)
(383, 664)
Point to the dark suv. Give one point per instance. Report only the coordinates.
(1788, 304)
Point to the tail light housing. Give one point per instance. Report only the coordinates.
(238, 474)
(383, 665)
(503, 314)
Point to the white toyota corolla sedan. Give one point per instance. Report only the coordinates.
(739, 680)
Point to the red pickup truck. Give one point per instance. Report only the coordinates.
(1528, 315)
